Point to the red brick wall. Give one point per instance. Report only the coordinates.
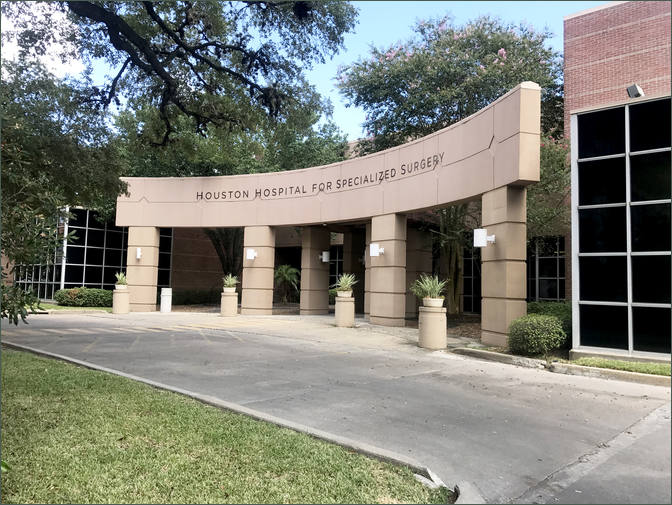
(611, 48)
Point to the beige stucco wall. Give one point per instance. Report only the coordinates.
(497, 146)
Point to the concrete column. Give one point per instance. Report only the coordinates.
(504, 276)
(354, 245)
(258, 272)
(418, 261)
(314, 273)
(388, 271)
(367, 270)
(142, 274)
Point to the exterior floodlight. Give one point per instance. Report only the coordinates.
(376, 250)
(324, 256)
(138, 253)
(250, 254)
(635, 91)
(481, 237)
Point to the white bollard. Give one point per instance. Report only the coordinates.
(166, 299)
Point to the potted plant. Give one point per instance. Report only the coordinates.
(229, 281)
(344, 285)
(429, 289)
(121, 280)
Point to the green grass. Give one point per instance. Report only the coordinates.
(73, 435)
(54, 306)
(628, 366)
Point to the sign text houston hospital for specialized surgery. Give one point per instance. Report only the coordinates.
(414, 167)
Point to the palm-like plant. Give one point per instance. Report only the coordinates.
(345, 282)
(428, 286)
(286, 279)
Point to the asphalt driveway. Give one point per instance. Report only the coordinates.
(517, 434)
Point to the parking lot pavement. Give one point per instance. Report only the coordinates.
(517, 434)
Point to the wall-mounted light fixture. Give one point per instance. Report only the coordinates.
(138, 253)
(250, 254)
(635, 91)
(324, 256)
(376, 250)
(481, 237)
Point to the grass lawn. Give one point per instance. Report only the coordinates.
(628, 366)
(54, 306)
(73, 435)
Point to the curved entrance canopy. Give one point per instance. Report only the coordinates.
(498, 146)
(493, 154)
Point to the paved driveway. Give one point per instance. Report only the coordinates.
(517, 434)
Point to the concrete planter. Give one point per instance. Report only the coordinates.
(345, 311)
(121, 303)
(229, 303)
(432, 302)
(344, 294)
(432, 327)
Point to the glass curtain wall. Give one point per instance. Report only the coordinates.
(621, 227)
(546, 269)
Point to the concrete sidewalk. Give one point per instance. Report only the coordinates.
(517, 434)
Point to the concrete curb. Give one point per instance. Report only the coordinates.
(606, 373)
(566, 368)
(465, 491)
(499, 357)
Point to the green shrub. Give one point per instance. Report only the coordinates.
(196, 296)
(84, 297)
(561, 310)
(536, 334)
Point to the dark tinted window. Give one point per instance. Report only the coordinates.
(650, 177)
(651, 279)
(109, 277)
(113, 257)
(548, 288)
(604, 326)
(603, 279)
(77, 217)
(650, 125)
(114, 239)
(164, 243)
(78, 236)
(548, 267)
(74, 273)
(94, 276)
(651, 329)
(602, 230)
(602, 181)
(95, 221)
(164, 278)
(164, 260)
(602, 133)
(95, 238)
(650, 227)
(75, 254)
(94, 256)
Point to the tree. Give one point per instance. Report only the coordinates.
(442, 75)
(56, 152)
(212, 61)
(287, 281)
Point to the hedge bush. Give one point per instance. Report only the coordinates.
(561, 310)
(536, 334)
(84, 297)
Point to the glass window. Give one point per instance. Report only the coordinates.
(114, 239)
(109, 275)
(603, 279)
(77, 217)
(75, 254)
(602, 133)
(650, 177)
(651, 329)
(164, 260)
(548, 267)
(602, 181)
(95, 221)
(650, 125)
(164, 278)
(548, 289)
(113, 257)
(94, 256)
(95, 238)
(164, 243)
(602, 230)
(650, 227)
(651, 279)
(604, 326)
(74, 273)
(77, 237)
(94, 276)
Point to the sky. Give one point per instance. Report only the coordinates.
(383, 23)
